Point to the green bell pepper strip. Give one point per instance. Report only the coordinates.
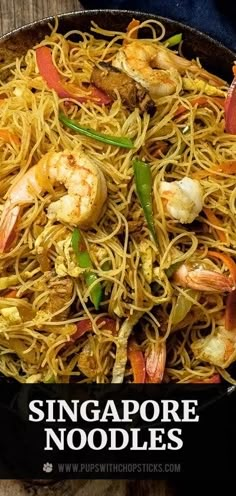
(173, 40)
(84, 261)
(90, 133)
(143, 183)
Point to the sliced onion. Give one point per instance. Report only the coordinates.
(183, 306)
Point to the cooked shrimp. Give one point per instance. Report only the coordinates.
(183, 199)
(196, 276)
(87, 362)
(81, 205)
(140, 59)
(218, 349)
(155, 363)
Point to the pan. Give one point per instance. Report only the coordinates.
(212, 54)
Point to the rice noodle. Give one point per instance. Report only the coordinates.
(30, 112)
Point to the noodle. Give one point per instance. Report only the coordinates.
(41, 325)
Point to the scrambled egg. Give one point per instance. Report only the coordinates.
(8, 281)
(11, 315)
(66, 263)
(200, 85)
(146, 255)
(218, 349)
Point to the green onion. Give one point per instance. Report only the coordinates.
(90, 133)
(84, 261)
(173, 40)
(143, 183)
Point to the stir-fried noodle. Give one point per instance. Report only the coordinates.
(125, 305)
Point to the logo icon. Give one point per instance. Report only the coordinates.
(47, 467)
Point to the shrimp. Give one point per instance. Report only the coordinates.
(140, 59)
(155, 363)
(196, 276)
(137, 60)
(81, 205)
(218, 349)
(183, 199)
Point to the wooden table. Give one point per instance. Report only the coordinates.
(15, 13)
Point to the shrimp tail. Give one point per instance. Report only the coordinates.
(155, 363)
(8, 227)
(203, 280)
(165, 59)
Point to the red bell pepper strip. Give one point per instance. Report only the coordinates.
(230, 312)
(137, 362)
(10, 294)
(50, 74)
(200, 101)
(230, 107)
(227, 260)
(214, 379)
(86, 325)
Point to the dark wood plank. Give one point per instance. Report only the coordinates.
(15, 13)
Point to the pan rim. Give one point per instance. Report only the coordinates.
(89, 13)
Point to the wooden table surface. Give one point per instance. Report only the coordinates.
(15, 13)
